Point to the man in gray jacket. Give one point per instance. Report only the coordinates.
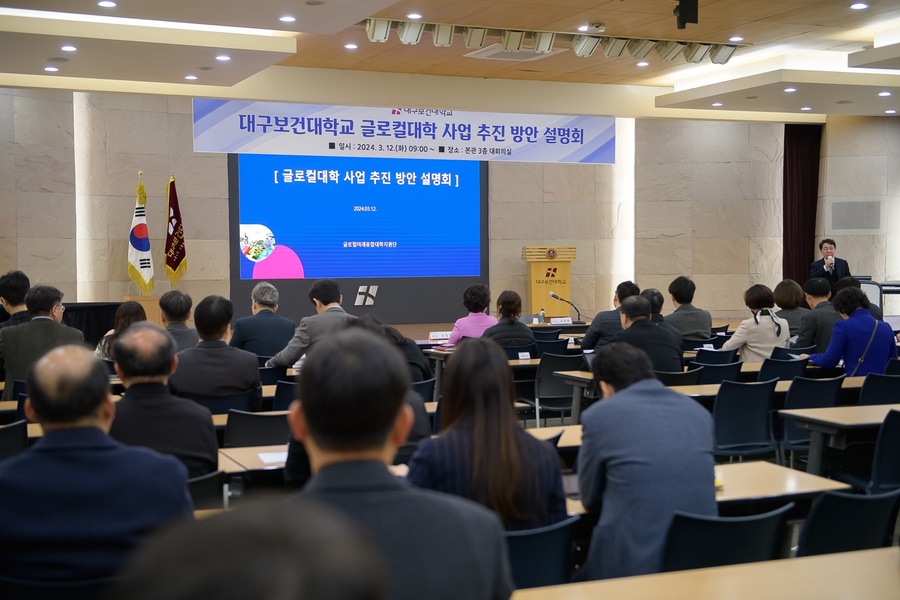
(816, 325)
(693, 323)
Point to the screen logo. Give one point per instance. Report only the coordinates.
(365, 295)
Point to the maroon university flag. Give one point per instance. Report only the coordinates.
(176, 255)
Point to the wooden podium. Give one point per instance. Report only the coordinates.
(150, 304)
(549, 270)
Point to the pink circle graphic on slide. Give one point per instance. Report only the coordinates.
(283, 263)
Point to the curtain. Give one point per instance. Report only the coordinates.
(800, 196)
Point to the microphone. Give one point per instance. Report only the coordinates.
(569, 302)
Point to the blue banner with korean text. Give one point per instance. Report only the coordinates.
(245, 127)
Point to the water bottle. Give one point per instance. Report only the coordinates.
(543, 316)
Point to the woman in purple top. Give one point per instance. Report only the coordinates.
(476, 299)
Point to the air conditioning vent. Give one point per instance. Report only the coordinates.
(495, 52)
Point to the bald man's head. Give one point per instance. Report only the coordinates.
(144, 350)
(67, 385)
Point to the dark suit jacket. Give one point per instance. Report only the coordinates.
(16, 319)
(661, 321)
(22, 345)
(148, 415)
(74, 505)
(602, 329)
(661, 345)
(185, 337)
(816, 326)
(263, 334)
(841, 270)
(311, 330)
(215, 369)
(436, 546)
(505, 333)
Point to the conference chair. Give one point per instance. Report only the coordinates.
(44, 590)
(20, 393)
(805, 393)
(719, 329)
(285, 393)
(550, 392)
(221, 405)
(783, 370)
(718, 373)
(542, 556)
(705, 356)
(842, 522)
(695, 344)
(263, 360)
(743, 424)
(884, 474)
(697, 541)
(893, 367)
(547, 335)
(425, 389)
(719, 340)
(551, 347)
(779, 353)
(209, 491)
(13, 439)
(879, 389)
(512, 352)
(110, 365)
(255, 429)
(271, 375)
(691, 377)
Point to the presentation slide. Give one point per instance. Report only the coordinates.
(310, 217)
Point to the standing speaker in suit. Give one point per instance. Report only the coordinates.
(829, 266)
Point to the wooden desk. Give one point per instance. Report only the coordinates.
(571, 435)
(250, 460)
(865, 574)
(710, 390)
(228, 465)
(581, 388)
(833, 426)
(439, 355)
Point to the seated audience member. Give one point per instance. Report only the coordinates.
(263, 333)
(656, 303)
(213, 368)
(482, 452)
(127, 314)
(22, 345)
(267, 551)
(865, 344)
(326, 297)
(661, 345)
(757, 336)
(148, 415)
(419, 368)
(829, 267)
(174, 312)
(73, 505)
(13, 287)
(646, 452)
(817, 324)
(849, 281)
(476, 299)
(509, 331)
(693, 323)
(789, 297)
(608, 323)
(351, 419)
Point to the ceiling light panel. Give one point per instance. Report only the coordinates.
(410, 32)
(512, 40)
(442, 35)
(614, 47)
(542, 41)
(474, 37)
(584, 45)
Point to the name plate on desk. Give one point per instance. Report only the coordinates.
(524, 356)
(561, 320)
(438, 335)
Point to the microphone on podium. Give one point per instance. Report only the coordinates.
(579, 321)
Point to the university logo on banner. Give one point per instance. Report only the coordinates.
(176, 254)
(140, 261)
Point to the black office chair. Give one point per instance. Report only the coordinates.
(263, 360)
(718, 373)
(551, 347)
(879, 389)
(425, 389)
(695, 344)
(742, 419)
(893, 367)
(20, 394)
(719, 329)
(782, 370)
(550, 392)
(543, 556)
(110, 365)
(255, 429)
(272, 375)
(547, 335)
(805, 393)
(779, 353)
(841, 522)
(221, 405)
(719, 340)
(512, 352)
(209, 491)
(697, 542)
(44, 590)
(285, 393)
(13, 439)
(884, 474)
(706, 356)
(691, 377)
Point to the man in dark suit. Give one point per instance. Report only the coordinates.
(829, 266)
(13, 287)
(22, 345)
(75, 504)
(816, 325)
(148, 415)
(607, 323)
(646, 452)
(175, 310)
(326, 297)
(656, 303)
(213, 368)
(351, 419)
(661, 345)
(263, 333)
(851, 281)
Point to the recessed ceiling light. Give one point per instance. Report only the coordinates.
(736, 38)
(859, 6)
(717, 104)
(106, 4)
(643, 63)
(790, 90)
(190, 77)
(287, 19)
(51, 69)
(351, 46)
(413, 16)
(583, 28)
(68, 48)
(890, 111)
(223, 57)
(805, 108)
(884, 94)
